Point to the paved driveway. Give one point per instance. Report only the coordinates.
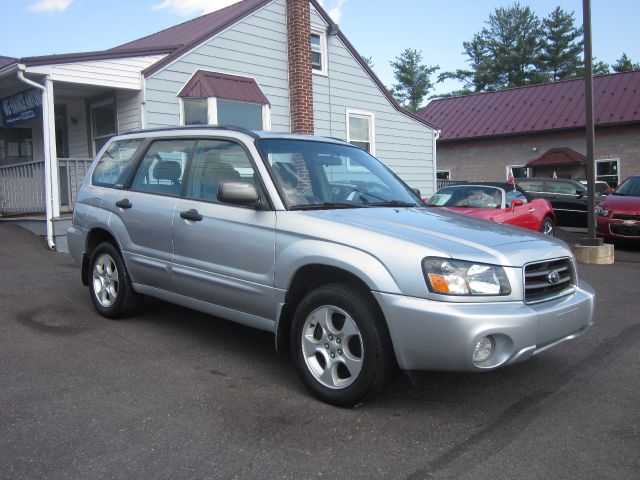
(176, 394)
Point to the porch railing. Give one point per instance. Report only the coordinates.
(22, 185)
(445, 183)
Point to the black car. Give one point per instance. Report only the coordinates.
(568, 198)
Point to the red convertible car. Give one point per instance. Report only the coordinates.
(618, 216)
(499, 202)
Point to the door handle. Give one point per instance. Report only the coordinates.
(192, 215)
(124, 203)
(531, 210)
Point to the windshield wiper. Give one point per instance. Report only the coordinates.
(328, 206)
(392, 203)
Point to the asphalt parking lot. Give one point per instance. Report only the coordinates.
(172, 393)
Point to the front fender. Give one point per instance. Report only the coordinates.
(290, 258)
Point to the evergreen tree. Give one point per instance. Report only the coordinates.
(413, 79)
(368, 61)
(562, 46)
(624, 64)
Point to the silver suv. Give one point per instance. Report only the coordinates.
(316, 241)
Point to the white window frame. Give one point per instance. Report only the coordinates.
(212, 112)
(92, 107)
(510, 168)
(324, 70)
(444, 170)
(616, 160)
(372, 127)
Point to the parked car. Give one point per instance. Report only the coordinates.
(261, 229)
(602, 188)
(618, 216)
(567, 197)
(498, 202)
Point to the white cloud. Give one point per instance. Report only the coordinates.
(50, 6)
(335, 11)
(189, 7)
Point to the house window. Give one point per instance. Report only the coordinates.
(361, 130)
(519, 171)
(103, 123)
(319, 52)
(609, 171)
(217, 111)
(443, 175)
(195, 111)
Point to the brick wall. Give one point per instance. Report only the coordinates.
(486, 159)
(300, 73)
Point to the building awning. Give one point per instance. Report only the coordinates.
(206, 84)
(558, 157)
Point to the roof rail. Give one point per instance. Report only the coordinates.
(246, 131)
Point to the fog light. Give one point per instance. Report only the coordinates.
(483, 349)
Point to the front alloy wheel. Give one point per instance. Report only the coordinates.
(341, 345)
(105, 280)
(332, 347)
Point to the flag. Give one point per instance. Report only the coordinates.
(555, 175)
(510, 179)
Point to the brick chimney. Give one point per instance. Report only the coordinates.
(300, 73)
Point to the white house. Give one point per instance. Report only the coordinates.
(279, 65)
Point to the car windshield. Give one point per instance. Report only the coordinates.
(319, 175)
(630, 188)
(468, 196)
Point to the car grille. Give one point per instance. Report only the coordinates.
(541, 282)
(625, 230)
(619, 216)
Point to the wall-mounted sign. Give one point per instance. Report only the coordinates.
(21, 107)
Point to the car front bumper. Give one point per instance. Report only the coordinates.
(608, 227)
(433, 335)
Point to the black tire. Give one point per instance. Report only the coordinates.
(111, 291)
(547, 227)
(370, 347)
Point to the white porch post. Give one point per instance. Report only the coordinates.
(52, 190)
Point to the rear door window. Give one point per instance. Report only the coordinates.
(162, 168)
(532, 185)
(112, 166)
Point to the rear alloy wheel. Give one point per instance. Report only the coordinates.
(341, 345)
(109, 285)
(547, 227)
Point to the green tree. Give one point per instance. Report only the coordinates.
(505, 53)
(368, 61)
(561, 46)
(624, 64)
(413, 79)
(598, 67)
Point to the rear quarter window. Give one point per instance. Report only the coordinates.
(113, 162)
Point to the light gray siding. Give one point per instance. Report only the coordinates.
(128, 110)
(255, 47)
(402, 143)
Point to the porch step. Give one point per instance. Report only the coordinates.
(37, 224)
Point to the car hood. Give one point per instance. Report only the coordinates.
(621, 203)
(430, 231)
(475, 212)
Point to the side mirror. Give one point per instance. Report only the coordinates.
(607, 191)
(517, 203)
(241, 193)
(580, 193)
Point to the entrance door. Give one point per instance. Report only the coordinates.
(103, 123)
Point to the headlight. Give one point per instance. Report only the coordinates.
(456, 277)
(601, 211)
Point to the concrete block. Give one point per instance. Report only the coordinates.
(597, 255)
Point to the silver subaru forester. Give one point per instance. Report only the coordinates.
(316, 241)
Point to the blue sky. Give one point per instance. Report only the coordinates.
(381, 29)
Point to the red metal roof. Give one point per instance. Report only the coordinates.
(558, 156)
(538, 108)
(205, 84)
(4, 61)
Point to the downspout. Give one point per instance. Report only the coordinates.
(46, 133)
(436, 136)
